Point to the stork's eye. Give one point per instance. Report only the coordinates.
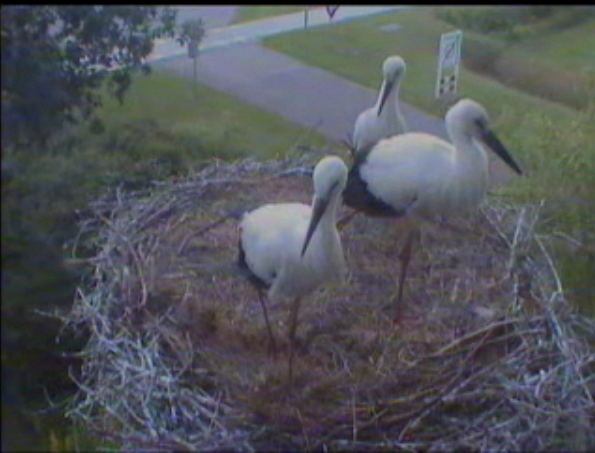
(481, 124)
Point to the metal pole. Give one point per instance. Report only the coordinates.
(306, 18)
(195, 78)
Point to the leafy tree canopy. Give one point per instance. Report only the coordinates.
(54, 58)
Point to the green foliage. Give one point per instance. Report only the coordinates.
(481, 54)
(250, 13)
(55, 58)
(192, 31)
(501, 52)
(514, 23)
(496, 19)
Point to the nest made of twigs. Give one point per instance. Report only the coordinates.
(177, 356)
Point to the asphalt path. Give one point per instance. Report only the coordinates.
(232, 60)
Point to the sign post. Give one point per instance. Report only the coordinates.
(331, 10)
(193, 53)
(449, 60)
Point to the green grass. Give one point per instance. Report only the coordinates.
(553, 143)
(356, 51)
(572, 48)
(160, 131)
(249, 13)
(565, 36)
(217, 119)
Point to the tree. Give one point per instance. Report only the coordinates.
(54, 59)
(193, 31)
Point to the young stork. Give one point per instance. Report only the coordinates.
(291, 249)
(384, 119)
(421, 176)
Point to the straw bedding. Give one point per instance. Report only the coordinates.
(177, 352)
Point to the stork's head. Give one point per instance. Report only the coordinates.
(471, 119)
(393, 70)
(393, 67)
(330, 178)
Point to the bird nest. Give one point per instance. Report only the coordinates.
(177, 356)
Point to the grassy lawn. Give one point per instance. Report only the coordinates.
(150, 137)
(574, 47)
(218, 120)
(249, 13)
(356, 51)
(553, 143)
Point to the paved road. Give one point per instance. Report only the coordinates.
(312, 97)
(306, 95)
(309, 96)
(220, 35)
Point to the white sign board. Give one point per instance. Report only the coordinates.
(449, 60)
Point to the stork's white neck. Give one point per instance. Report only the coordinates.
(329, 220)
(471, 163)
(391, 113)
(327, 253)
(468, 148)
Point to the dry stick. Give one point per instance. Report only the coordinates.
(139, 269)
(552, 267)
(402, 417)
(471, 337)
(159, 445)
(425, 409)
(498, 230)
(202, 231)
(515, 241)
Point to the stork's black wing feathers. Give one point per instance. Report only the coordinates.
(358, 196)
(246, 271)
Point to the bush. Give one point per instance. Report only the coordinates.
(42, 195)
(481, 54)
(485, 19)
(542, 79)
(47, 189)
(489, 57)
(514, 22)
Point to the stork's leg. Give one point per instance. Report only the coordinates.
(293, 321)
(405, 257)
(343, 221)
(272, 342)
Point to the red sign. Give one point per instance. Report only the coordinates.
(331, 10)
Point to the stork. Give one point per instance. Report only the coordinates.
(384, 119)
(420, 176)
(291, 249)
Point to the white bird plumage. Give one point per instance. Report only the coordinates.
(420, 175)
(292, 249)
(385, 118)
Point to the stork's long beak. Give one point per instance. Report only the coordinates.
(387, 87)
(320, 206)
(490, 139)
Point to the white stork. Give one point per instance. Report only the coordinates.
(291, 249)
(384, 119)
(417, 175)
